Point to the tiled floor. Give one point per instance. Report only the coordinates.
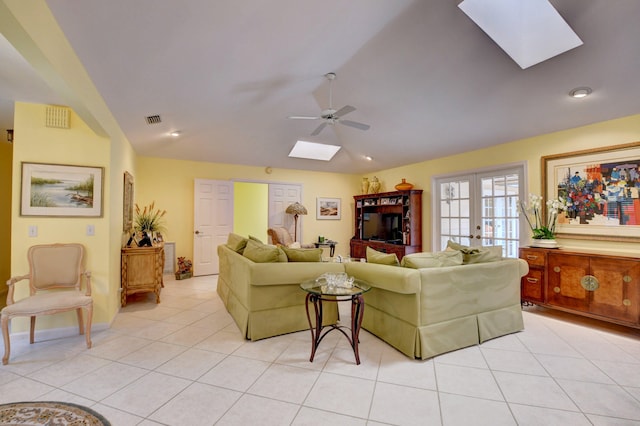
(184, 362)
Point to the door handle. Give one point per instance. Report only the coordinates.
(197, 232)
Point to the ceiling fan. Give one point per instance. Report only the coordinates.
(330, 115)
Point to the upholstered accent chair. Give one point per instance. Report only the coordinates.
(55, 278)
(283, 237)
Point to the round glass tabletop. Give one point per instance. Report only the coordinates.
(320, 288)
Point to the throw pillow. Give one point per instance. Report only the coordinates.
(261, 253)
(432, 260)
(251, 237)
(476, 254)
(295, 245)
(236, 242)
(375, 256)
(303, 255)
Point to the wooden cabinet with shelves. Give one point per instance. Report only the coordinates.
(602, 286)
(141, 271)
(389, 222)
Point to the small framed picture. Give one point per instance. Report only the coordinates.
(328, 209)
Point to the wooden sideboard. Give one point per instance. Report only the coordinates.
(597, 285)
(141, 271)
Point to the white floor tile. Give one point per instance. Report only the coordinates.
(605, 400)
(533, 390)
(235, 373)
(191, 364)
(255, 410)
(285, 383)
(340, 394)
(404, 405)
(104, 381)
(467, 381)
(147, 394)
(460, 410)
(197, 405)
(527, 415)
(312, 417)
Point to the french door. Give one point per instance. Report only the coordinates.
(479, 209)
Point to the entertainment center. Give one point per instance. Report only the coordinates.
(390, 222)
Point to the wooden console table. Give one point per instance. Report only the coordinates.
(597, 285)
(141, 271)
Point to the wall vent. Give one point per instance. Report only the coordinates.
(153, 119)
(57, 117)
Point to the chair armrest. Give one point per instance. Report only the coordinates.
(87, 275)
(10, 283)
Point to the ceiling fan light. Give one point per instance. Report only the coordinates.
(175, 133)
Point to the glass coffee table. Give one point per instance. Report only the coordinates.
(319, 292)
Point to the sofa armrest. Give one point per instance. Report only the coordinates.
(391, 278)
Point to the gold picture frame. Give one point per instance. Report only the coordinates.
(602, 187)
(127, 203)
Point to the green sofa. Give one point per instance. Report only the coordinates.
(421, 312)
(429, 311)
(265, 299)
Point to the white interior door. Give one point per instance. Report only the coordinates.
(282, 196)
(479, 209)
(213, 221)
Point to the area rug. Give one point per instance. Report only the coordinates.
(49, 413)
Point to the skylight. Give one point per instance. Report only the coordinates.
(530, 31)
(313, 151)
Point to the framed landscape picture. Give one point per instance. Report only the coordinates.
(601, 187)
(127, 203)
(328, 208)
(61, 190)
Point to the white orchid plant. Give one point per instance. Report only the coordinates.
(533, 213)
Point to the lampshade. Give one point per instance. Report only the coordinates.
(296, 209)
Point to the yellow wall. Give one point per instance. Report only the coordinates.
(613, 132)
(75, 146)
(6, 154)
(251, 209)
(174, 192)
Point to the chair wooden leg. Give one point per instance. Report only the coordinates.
(80, 321)
(88, 327)
(32, 331)
(5, 336)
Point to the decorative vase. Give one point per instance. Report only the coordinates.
(365, 185)
(404, 185)
(374, 186)
(542, 243)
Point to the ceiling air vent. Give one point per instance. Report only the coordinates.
(57, 117)
(153, 119)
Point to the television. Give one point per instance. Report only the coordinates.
(385, 227)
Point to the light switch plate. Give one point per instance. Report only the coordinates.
(33, 231)
(91, 230)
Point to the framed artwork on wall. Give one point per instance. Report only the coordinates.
(601, 187)
(127, 203)
(61, 190)
(328, 209)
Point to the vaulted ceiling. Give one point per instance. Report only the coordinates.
(431, 83)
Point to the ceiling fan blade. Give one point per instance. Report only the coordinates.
(355, 124)
(302, 117)
(344, 111)
(319, 129)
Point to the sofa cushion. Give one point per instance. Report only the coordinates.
(251, 237)
(375, 256)
(303, 255)
(261, 253)
(432, 260)
(476, 254)
(236, 242)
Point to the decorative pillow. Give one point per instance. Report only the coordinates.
(432, 260)
(375, 256)
(282, 256)
(236, 242)
(295, 245)
(251, 237)
(261, 253)
(476, 254)
(303, 255)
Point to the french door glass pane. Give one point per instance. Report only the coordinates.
(481, 209)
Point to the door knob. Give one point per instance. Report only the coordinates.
(197, 232)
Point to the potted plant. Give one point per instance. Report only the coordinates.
(184, 269)
(147, 222)
(543, 233)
